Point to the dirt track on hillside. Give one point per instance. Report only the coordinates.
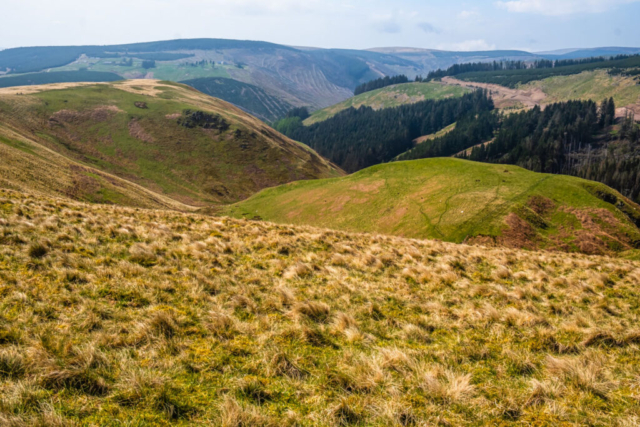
(507, 98)
(623, 111)
(504, 97)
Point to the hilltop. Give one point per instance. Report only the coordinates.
(111, 315)
(164, 140)
(391, 96)
(459, 201)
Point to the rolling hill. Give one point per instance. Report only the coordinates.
(119, 316)
(459, 201)
(391, 96)
(312, 77)
(165, 140)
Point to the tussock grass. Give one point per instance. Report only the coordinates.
(143, 317)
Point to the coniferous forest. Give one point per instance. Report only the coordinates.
(573, 138)
(358, 138)
(513, 73)
(380, 83)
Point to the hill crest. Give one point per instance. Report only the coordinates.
(166, 137)
(459, 201)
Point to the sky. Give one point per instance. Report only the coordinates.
(532, 25)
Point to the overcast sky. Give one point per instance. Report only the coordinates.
(534, 25)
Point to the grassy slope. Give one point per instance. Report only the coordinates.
(100, 126)
(595, 85)
(391, 96)
(115, 316)
(29, 166)
(448, 199)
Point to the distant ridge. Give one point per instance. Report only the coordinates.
(589, 52)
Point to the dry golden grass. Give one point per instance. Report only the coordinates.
(122, 316)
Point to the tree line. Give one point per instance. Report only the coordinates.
(358, 138)
(540, 140)
(494, 66)
(572, 138)
(380, 83)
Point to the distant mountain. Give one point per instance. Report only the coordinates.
(431, 59)
(588, 53)
(284, 75)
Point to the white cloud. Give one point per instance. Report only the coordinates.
(468, 14)
(561, 7)
(468, 46)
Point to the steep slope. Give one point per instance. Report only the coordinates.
(26, 165)
(115, 316)
(456, 200)
(163, 136)
(250, 98)
(391, 96)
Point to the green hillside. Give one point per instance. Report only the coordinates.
(594, 85)
(165, 137)
(391, 96)
(457, 201)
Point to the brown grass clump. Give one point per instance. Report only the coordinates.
(143, 317)
(315, 311)
(38, 250)
(447, 386)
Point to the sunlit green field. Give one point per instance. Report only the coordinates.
(391, 96)
(447, 199)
